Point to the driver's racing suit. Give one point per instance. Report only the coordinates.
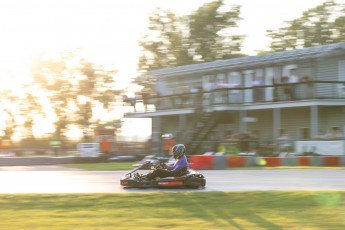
(174, 170)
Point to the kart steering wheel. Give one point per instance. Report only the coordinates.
(162, 165)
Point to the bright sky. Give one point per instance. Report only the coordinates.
(108, 30)
(259, 16)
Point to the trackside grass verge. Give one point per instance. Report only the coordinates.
(171, 210)
(285, 167)
(102, 166)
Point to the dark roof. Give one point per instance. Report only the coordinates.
(271, 58)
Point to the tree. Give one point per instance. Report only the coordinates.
(19, 110)
(166, 45)
(317, 26)
(210, 31)
(75, 88)
(205, 35)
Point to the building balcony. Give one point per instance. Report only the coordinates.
(242, 98)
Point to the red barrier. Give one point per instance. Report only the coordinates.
(303, 161)
(236, 161)
(201, 162)
(331, 161)
(205, 162)
(272, 161)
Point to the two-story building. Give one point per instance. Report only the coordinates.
(300, 93)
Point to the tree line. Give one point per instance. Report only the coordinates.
(68, 89)
(64, 90)
(209, 34)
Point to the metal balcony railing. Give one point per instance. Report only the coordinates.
(250, 95)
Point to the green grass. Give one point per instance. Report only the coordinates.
(171, 210)
(102, 166)
(286, 167)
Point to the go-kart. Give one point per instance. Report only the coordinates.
(189, 179)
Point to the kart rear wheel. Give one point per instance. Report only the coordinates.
(195, 182)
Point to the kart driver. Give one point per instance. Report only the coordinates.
(179, 168)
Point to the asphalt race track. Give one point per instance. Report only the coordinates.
(53, 179)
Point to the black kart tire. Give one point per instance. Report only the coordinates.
(195, 182)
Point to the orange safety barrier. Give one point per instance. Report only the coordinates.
(303, 161)
(199, 162)
(331, 161)
(236, 161)
(272, 161)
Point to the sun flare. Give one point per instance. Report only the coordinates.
(108, 32)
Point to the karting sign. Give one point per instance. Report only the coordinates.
(55, 144)
(88, 149)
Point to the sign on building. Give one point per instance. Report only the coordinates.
(321, 147)
(88, 149)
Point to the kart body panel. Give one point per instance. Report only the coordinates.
(192, 179)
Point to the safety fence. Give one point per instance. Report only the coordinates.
(204, 162)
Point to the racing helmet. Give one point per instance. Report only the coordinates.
(178, 151)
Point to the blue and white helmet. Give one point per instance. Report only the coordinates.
(178, 151)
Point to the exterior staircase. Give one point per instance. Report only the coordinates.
(203, 126)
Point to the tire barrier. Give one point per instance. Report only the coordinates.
(289, 161)
(219, 162)
(236, 162)
(303, 161)
(202, 162)
(197, 162)
(272, 161)
(332, 161)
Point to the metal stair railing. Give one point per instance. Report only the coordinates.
(202, 128)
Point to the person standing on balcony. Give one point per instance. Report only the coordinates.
(306, 87)
(275, 92)
(293, 79)
(197, 97)
(210, 86)
(185, 96)
(258, 92)
(334, 134)
(286, 88)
